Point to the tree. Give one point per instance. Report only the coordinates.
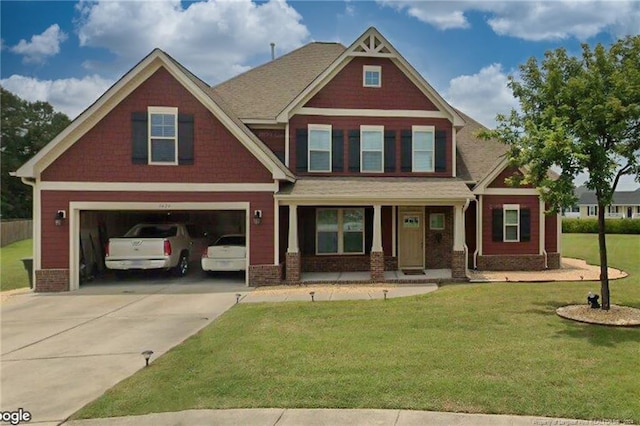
(26, 127)
(578, 114)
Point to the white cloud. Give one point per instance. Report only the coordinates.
(541, 20)
(41, 46)
(214, 39)
(483, 95)
(69, 95)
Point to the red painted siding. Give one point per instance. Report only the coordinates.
(104, 153)
(497, 201)
(354, 123)
(55, 239)
(499, 182)
(345, 90)
(273, 138)
(551, 233)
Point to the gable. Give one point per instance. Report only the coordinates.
(104, 153)
(345, 89)
(499, 181)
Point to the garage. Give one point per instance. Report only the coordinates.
(92, 224)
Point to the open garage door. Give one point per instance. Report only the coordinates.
(93, 223)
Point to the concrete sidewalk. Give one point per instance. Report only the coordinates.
(323, 417)
(334, 292)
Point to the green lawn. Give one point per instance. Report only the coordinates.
(12, 272)
(486, 348)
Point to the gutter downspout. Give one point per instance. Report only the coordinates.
(466, 249)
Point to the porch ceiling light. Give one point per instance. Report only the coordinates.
(147, 355)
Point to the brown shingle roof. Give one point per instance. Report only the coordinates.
(379, 188)
(476, 157)
(263, 92)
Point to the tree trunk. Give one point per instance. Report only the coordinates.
(604, 272)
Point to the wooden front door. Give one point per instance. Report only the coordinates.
(411, 239)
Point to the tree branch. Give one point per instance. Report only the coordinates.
(623, 171)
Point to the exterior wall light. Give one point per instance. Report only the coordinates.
(385, 293)
(59, 217)
(257, 217)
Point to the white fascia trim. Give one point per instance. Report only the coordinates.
(286, 145)
(158, 187)
(346, 112)
(91, 116)
(285, 200)
(510, 191)
(454, 149)
(490, 177)
(261, 122)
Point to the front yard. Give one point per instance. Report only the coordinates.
(12, 272)
(485, 348)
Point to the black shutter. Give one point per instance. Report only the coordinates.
(185, 139)
(496, 230)
(405, 151)
(301, 150)
(390, 151)
(441, 151)
(525, 225)
(337, 150)
(139, 141)
(354, 151)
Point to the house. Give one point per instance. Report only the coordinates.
(625, 205)
(329, 158)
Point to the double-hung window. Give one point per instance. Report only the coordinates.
(319, 148)
(372, 76)
(340, 231)
(371, 149)
(163, 135)
(592, 210)
(511, 222)
(423, 148)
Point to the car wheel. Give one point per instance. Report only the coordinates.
(183, 265)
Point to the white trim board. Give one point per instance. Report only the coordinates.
(345, 112)
(157, 187)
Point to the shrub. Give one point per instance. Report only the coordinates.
(590, 226)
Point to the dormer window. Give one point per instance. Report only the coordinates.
(372, 76)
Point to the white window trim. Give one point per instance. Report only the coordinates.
(592, 210)
(381, 150)
(414, 130)
(506, 207)
(371, 68)
(340, 232)
(320, 127)
(162, 110)
(433, 215)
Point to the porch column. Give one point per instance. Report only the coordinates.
(377, 255)
(293, 252)
(458, 257)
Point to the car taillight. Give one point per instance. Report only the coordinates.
(205, 252)
(167, 248)
(106, 250)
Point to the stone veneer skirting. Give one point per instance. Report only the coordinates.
(515, 262)
(553, 261)
(262, 275)
(292, 268)
(377, 266)
(51, 280)
(345, 263)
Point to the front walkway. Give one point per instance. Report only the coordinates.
(397, 277)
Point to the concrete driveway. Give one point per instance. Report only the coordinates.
(61, 351)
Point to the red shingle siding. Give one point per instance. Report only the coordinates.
(499, 182)
(345, 90)
(104, 153)
(354, 123)
(551, 233)
(497, 201)
(55, 239)
(273, 138)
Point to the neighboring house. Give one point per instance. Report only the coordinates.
(574, 211)
(625, 205)
(329, 158)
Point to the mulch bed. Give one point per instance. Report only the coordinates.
(621, 316)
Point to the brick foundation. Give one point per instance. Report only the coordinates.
(293, 273)
(377, 266)
(261, 275)
(51, 280)
(457, 265)
(517, 262)
(553, 261)
(345, 263)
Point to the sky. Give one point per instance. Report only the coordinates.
(68, 53)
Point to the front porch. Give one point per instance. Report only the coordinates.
(373, 231)
(396, 277)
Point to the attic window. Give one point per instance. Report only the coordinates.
(372, 76)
